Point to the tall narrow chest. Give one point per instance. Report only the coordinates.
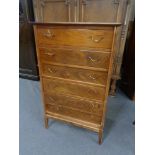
(75, 66)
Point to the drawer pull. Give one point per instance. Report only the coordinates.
(48, 34)
(92, 105)
(51, 70)
(66, 75)
(58, 107)
(49, 54)
(91, 116)
(97, 40)
(92, 59)
(51, 99)
(92, 91)
(98, 106)
(91, 77)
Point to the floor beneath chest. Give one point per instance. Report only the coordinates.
(63, 139)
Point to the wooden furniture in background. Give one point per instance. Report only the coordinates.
(27, 54)
(127, 82)
(89, 11)
(75, 65)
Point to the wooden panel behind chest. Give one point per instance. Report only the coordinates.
(98, 10)
(53, 10)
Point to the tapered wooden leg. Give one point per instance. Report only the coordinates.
(46, 122)
(100, 137)
(113, 87)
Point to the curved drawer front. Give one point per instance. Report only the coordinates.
(73, 102)
(73, 113)
(90, 58)
(97, 77)
(76, 37)
(63, 87)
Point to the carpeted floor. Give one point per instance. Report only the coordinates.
(63, 139)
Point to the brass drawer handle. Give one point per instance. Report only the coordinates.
(58, 107)
(92, 91)
(98, 106)
(92, 59)
(51, 70)
(49, 53)
(91, 77)
(92, 105)
(52, 100)
(66, 74)
(48, 34)
(91, 116)
(101, 37)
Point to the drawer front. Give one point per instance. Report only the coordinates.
(76, 37)
(73, 102)
(73, 113)
(90, 58)
(72, 88)
(97, 77)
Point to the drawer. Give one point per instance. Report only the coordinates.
(75, 103)
(90, 58)
(73, 88)
(75, 37)
(57, 109)
(97, 77)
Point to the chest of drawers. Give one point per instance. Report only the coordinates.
(75, 66)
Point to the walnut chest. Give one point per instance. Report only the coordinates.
(75, 66)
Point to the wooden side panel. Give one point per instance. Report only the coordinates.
(121, 39)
